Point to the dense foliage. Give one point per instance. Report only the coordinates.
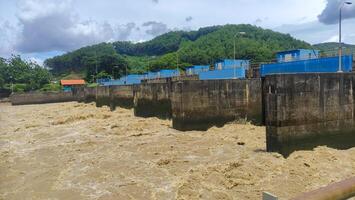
(22, 75)
(177, 48)
(329, 48)
(100, 58)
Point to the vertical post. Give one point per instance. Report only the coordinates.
(234, 59)
(340, 45)
(177, 59)
(126, 73)
(96, 70)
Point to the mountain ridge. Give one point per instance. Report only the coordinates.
(186, 48)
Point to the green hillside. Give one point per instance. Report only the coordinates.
(332, 47)
(203, 46)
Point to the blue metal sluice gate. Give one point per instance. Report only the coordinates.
(325, 65)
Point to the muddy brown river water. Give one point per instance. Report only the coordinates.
(77, 151)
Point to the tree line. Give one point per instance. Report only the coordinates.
(20, 75)
(176, 49)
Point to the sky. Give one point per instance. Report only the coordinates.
(39, 29)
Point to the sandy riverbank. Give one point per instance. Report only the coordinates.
(78, 151)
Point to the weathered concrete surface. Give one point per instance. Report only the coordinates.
(90, 94)
(122, 96)
(4, 93)
(153, 100)
(303, 111)
(199, 105)
(152, 97)
(79, 93)
(41, 97)
(103, 96)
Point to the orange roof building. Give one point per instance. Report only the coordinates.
(72, 82)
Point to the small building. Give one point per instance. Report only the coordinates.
(168, 73)
(297, 54)
(231, 73)
(197, 69)
(316, 65)
(69, 84)
(131, 79)
(231, 63)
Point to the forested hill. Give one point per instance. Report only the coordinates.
(190, 47)
(332, 47)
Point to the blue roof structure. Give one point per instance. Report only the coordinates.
(325, 65)
(236, 73)
(195, 70)
(231, 63)
(297, 54)
(167, 73)
(131, 79)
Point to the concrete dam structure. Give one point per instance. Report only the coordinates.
(41, 98)
(199, 105)
(121, 96)
(303, 111)
(300, 111)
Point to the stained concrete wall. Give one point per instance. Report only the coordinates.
(153, 100)
(303, 111)
(199, 105)
(79, 93)
(90, 94)
(103, 96)
(4, 93)
(122, 96)
(41, 97)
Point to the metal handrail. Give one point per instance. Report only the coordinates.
(336, 191)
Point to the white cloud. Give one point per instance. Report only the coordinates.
(63, 25)
(52, 25)
(316, 32)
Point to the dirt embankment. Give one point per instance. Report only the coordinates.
(78, 151)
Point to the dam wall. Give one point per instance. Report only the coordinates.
(153, 100)
(303, 111)
(41, 97)
(199, 105)
(103, 96)
(122, 96)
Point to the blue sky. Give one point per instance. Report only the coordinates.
(38, 29)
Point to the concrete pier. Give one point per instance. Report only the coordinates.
(303, 111)
(89, 94)
(153, 97)
(153, 100)
(199, 105)
(103, 96)
(122, 96)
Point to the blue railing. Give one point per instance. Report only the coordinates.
(321, 65)
(223, 74)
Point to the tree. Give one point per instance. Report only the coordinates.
(29, 75)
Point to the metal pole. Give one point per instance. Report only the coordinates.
(126, 73)
(177, 59)
(340, 190)
(340, 46)
(340, 43)
(96, 74)
(96, 70)
(234, 57)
